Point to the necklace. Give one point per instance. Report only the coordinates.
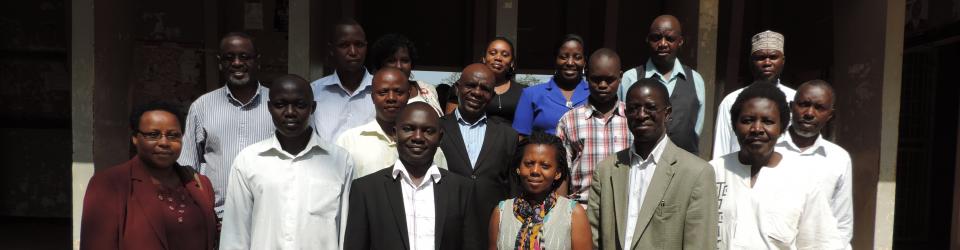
(175, 199)
(499, 103)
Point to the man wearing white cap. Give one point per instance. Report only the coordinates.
(767, 57)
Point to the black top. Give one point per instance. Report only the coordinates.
(501, 107)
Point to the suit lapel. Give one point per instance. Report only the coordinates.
(620, 182)
(150, 208)
(440, 199)
(654, 193)
(453, 128)
(487, 147)
(395, 198)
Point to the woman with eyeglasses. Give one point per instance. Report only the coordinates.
(150, 201)
(541, 106)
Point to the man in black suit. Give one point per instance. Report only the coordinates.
(479, 148)
(413, 204)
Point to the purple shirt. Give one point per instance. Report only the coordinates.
(541, 106)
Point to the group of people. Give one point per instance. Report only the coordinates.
(370, 158)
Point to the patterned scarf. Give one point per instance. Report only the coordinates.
(529, 237)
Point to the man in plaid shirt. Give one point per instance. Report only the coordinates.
(594, 131)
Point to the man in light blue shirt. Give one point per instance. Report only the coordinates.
(343, 98)
(685, 85)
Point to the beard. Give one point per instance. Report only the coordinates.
(803, 133)
(238, 82)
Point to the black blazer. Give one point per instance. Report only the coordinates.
(376, 218)
(493, 178)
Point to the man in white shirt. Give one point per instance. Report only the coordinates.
(413, 204)
(767, 57)
(654, 195)
(372, 146)
(288, 191)
(343, 98)
(767, 199)
(812, 108)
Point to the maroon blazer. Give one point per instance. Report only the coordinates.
(120, 211)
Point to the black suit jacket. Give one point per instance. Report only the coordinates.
(376, 218)
(493, 177)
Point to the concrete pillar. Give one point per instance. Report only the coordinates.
(300, 49)
(707, 67)
(506, 21)
(101, 55)
(867, 81)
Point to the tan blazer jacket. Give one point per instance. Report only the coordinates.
(683, 182)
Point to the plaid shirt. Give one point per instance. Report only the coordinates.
(588, 139)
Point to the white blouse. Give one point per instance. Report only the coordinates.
(783, 210)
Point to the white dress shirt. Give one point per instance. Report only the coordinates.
(724, 140)
(419, 206)
(276, 200)
(783, 210)
(833, 166)
(338, 110)
(372, 150)
(641, 174)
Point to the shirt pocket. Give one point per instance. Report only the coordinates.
(781, 226)
(324, 199)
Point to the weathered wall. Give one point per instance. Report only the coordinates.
(35, 108)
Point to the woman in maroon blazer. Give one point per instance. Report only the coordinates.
(150, 202)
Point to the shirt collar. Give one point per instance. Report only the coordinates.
(373, 128)
(582, 84)
(433, 173)
(654, 154)
(314, 143)
(255, 98)
(593, 112)
(365, 82)
(482, 120)
(786, 142)
(650, 69)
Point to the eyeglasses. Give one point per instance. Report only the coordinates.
(229, 57)
(649, 109)
(155, 136)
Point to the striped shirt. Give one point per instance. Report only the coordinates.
(589, 138)
(218, 127)
(473, 134)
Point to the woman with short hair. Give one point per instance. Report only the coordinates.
(150, 201)
(539, 218)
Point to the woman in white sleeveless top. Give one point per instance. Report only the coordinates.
(539, 218)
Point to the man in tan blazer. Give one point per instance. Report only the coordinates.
(653, 195)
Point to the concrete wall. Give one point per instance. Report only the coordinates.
(35, 108)
(868, 72)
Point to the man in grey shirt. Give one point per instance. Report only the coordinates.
(224, 121)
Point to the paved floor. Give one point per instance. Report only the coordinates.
(18, 233)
